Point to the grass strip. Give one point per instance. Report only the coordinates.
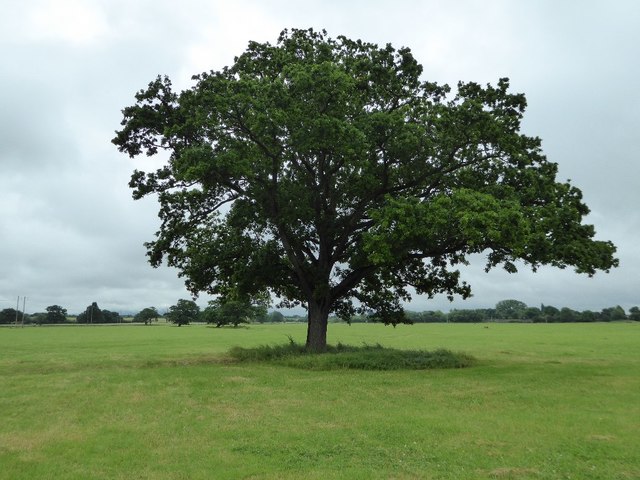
(341, 356)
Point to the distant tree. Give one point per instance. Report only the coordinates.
(588, 316)
(466, 316)
(276, 317)
(92, 314)
(489, 313)
(111, 317)
(612, 314)
(328, 172)
(549, 313)
(209, 314)
(354, 319)
(146, 315)
(431, 316)
(183, 313)
(413, 317)
(38, 318)
(56, 314)
(532, 313)
(8, 315)
(510, 309)
(428, 316)
(232, 312)
(618, 313)
(262, 316)
(567, 315)
(634, 314)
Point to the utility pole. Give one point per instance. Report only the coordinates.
(17, 309)
(24, 303)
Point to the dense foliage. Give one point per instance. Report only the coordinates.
(522, 313)
(236, 313)
(183, 313)
(93, 314)
(147, 315)
(328, 173)
(233, 312)
(56, 314)
(10, 315)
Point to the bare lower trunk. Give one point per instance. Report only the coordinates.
(318, 318)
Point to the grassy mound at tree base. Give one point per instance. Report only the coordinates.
(366, 357)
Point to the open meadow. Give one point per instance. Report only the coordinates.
(544, 401)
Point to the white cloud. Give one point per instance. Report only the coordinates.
(224, 32)
(75, 21)
(71, 234)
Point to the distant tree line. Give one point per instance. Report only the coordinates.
(93, 314)
(517, 311)
(218, 312)
(55, 314)
(237, 312)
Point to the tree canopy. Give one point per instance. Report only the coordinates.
(9, 315)
(147, 315)
(91, 314)
(232, 312)
(328, 173)
(56, 314)
(183, 313)
(512, 309)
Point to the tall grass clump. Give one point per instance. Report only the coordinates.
(340, 356)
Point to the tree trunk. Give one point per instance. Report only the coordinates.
(317, 320)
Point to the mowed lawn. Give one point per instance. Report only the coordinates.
(162, 402)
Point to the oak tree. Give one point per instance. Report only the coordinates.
(91, 314)
(510, 309)
(329, 173)
(147, 315)
(9, 315)
(183, 313)
(56, 314)
(111, 317)
(232, 312)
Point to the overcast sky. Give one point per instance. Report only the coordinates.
(70, 234)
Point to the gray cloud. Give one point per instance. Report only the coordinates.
(70, 233)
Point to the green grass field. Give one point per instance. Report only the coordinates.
(557, 401)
